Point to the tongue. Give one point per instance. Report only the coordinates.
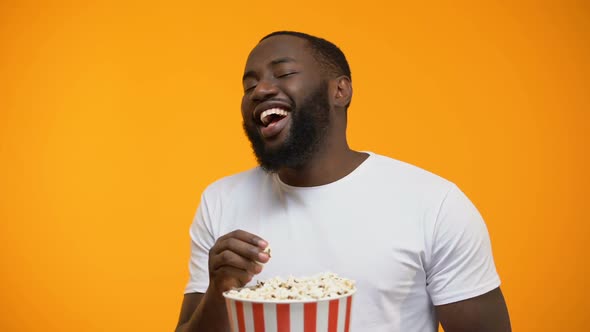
(274, 127)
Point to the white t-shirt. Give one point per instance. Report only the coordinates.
(409, 238)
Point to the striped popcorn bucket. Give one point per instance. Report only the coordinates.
(326, 315)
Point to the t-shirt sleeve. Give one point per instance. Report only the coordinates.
(202, 239)
(461, 265)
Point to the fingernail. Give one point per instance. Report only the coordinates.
(262, 243)
(263, 256)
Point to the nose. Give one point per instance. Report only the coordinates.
(265, 89)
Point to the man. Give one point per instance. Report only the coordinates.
(417, 248)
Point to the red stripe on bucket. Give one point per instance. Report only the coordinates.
(258, 313)
(283, 318)
(347, 324)
(310, 312)
(240, 314)
(333, 316)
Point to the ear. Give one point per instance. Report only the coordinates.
(342, 92)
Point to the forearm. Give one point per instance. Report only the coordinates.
(210, 315)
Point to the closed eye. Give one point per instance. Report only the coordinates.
(287, 74)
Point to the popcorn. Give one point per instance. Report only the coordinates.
(322, 286)
(267, 250)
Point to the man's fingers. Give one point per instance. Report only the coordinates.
(235, 258)
(230, 277)
(239, 247)
(241, 243)
(247, 237)
(232, 259)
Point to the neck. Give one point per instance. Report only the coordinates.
(328, 164)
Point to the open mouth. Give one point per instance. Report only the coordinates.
(272, 115)
(273, 121)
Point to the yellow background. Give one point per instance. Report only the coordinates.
(114, 117)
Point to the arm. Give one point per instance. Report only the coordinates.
(190, 302)
(233, 261)
(484, 313)
(198, 314)
(462, 278)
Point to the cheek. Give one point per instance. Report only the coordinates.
(299, 90)
(246, 107)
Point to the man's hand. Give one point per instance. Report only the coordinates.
(235, 259)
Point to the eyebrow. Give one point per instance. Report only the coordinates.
(281, 60)
(248, 74)
(252, 73)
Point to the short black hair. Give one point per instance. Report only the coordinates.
(326, 53)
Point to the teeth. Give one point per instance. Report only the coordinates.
(264, 115)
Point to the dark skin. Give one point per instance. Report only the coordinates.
(232, 263)
(282, 69)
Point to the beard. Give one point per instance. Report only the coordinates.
(309, 124)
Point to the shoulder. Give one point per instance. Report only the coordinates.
(406, 177)
(239, 182)
(229, 190)
(444, 198)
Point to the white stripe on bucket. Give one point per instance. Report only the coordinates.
(233, 315)
(341, 314)
(270, 317)
(248, 316)
(296, 312)
(322, 316)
